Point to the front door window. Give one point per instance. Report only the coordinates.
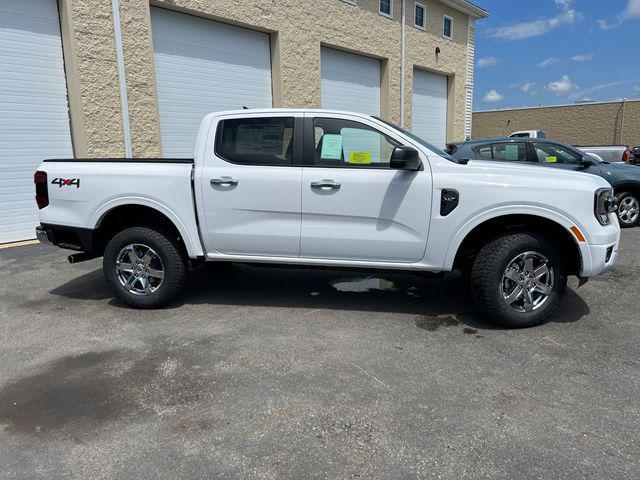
(555, 154)
(345, 143)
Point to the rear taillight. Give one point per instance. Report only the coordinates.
(625, 156)
(42, 189)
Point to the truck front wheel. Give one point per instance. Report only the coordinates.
(143, 267)
(518, 280)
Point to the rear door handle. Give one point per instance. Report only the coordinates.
(224, 182)
(326, 185)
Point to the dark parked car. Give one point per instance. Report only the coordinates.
(635, 152)
(624, 178)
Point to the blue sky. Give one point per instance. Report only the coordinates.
(550, 52)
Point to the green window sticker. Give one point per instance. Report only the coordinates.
(331, 147)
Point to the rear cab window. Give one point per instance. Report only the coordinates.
(267, 141)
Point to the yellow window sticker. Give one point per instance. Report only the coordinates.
(552, 159)
(360, 157)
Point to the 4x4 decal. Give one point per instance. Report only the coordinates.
(63, 182)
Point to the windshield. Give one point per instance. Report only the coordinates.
(419, 140)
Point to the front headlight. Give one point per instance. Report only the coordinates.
(605, 203)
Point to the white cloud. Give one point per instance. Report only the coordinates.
(585, 57)
(526, 87)
(636, 88)
(536, 28)
(492, 97)
(608, 24)
(631, 12)
(488, 62)
(597, 88)
(564, 86)
(546, 62)
(564, 4)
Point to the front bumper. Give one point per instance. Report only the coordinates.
(603, 258)
(602, 255)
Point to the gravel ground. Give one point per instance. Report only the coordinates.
(263, 372)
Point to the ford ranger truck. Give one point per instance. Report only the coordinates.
(331, 189)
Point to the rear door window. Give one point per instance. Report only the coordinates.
(256, 141)
(509, 152)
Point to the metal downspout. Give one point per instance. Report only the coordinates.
(402, 60)
(624, 104)
(124, 103)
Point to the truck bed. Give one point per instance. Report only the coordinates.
(121, 160)
(83, 191)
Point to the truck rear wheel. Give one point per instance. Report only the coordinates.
(518, 280)
(143, 268)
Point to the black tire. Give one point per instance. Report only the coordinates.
(173, 265)
(624, 198)
(487, 279)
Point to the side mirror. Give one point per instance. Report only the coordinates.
(589, 159)
(405, 158)
(586, 161)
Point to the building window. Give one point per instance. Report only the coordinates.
(447, 30)
(419, 16)
(386, 8)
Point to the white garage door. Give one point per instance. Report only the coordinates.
(34, 115)
(204, 66)
(430, 107)
(350, 82)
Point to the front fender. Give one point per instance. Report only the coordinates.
(533, 210)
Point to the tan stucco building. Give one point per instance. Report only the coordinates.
(296, 30)
(586, 124)
(102, 78)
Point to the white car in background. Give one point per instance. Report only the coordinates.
(610, 154)
(528, 134)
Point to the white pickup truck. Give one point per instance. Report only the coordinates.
(325, 188)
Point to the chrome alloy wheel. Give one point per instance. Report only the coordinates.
(527, 282)
(628, 210)
(139, 269)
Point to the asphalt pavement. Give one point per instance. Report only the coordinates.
(261, 372)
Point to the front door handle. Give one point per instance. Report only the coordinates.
(326, 185)
(224, 182)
